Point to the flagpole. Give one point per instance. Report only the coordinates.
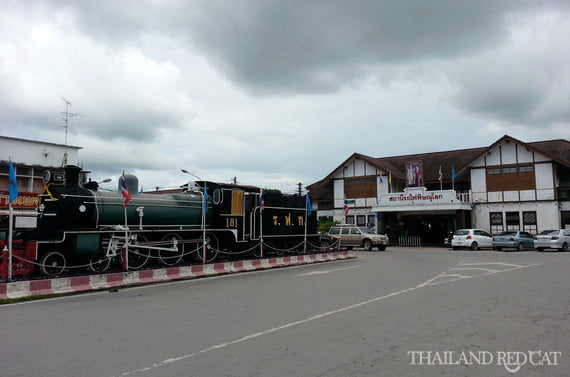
(12, 195)
(306, 215)
(10, 225)
(204, 204)
(261, 233)
(452, 178)
(126, 240)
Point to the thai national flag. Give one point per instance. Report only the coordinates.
(346, 207)
(261, 201)
(125, 190)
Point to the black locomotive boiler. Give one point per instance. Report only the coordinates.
(83, 225)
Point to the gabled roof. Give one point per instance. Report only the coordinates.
(557, 150)
(461, 159)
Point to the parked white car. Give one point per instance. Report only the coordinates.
(471, 238)
(552, 239)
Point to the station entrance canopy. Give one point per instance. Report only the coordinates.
(418, 199)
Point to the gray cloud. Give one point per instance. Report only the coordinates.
(280, 90)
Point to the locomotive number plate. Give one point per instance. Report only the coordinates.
(231, 222)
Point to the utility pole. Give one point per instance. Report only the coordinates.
(300, 188)
(66, 115)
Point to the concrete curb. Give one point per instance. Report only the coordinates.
(22, 289)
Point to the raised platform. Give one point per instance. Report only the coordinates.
(23, 289)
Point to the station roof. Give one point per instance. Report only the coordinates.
(558, 150)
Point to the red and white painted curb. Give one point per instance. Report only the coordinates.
(75, 284)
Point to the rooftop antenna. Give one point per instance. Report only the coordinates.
(66, 114)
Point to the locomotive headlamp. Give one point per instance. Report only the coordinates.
(46, 177)
(51, 177)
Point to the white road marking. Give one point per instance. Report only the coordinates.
(475, 268)
(318, 316)
(458, 277)
(320, 272)
(485, 263)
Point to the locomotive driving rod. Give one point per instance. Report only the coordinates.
(173, 248)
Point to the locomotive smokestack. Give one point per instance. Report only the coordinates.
(72, 175)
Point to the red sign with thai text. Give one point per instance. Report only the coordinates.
(24, 200)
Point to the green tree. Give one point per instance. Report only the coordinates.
(326, 224)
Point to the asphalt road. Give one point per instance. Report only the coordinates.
(403, 312)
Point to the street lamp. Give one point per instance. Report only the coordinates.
(192, 174)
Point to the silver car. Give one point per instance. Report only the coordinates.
(553, 239)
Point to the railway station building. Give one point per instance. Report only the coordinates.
(418, 199)
(30, 159)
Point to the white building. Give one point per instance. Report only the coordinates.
(30, 159)
(508, 185)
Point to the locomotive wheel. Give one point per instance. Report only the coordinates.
(171, 258)
(324, 245)
(138, 257)
(213, 247)
(52, 263)
(99, 263)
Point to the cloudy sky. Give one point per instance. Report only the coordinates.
(278, 92)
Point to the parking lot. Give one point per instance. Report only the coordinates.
(395, 312)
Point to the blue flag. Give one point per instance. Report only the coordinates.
(205, 197)
(13, 191)
(309, 206)
(453, 174)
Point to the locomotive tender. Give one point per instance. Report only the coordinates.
(84, 225)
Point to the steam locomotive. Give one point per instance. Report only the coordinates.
(81, 224)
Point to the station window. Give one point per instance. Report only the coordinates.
(529, 222)
(496, 222)
(513, 221)
(350, 220)
(361, 220)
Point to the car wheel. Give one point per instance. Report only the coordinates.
(564, 246)
(540, 248)
(520, 246)
(474, 246)
(348, 247)
(367, 245)
(382, 248)
(499, 248)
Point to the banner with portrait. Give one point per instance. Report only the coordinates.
(414, 174)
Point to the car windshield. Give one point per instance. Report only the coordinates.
(545, 232)
(366, 231)
(461, 233)
(508, 234)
